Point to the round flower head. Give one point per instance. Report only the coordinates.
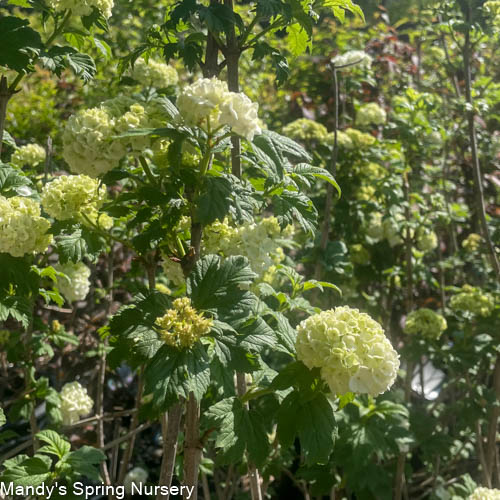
(472, 243)
(82, 7)
(426, 241)
(154, 73)
(31, 154)
(343, 140)
(22, 230)
(351, 350)
(371, 114)
(360, 139)
(135, 476)
(425, 322)
(75, 403)
(76, 285)
(240, 113)
(182, 326)
(68, 196)
(473, 300)
(202, 99)
(353, 59)
(304, 129)
(485, 494)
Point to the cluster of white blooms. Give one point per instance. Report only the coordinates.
(182, 325)
(22, 230)
(209, 99)
(350, 348)
(82, 7)
(473, 300)
(75, 285)
(485, 494)
(472, 243)
(379, 228)
(304, 129)
(88, 144)
(257, 241)
(426, 240)
(75, 403)
(68, 196)
(173, 271)
(154, 73)
(31, 154)
(135, 476)
(371, 114)
(492, 8)
(425, 322)
(351, 139)
(353, 59)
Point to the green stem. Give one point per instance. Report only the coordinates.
(147, 170)
(255, 394)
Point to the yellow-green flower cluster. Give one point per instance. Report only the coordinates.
(425, 322)
(359, 254)
(304, 129)
(75, 285)
(182, 326)
(359, 139)
(472, 243)
(473, 300)
(492, 8)
(75, 403)
(371, 114)
(209, 102)
(83, 7)
(485, 494)
(31, 154)
(426, 240)
(154, 73)
(353, 59)
(350, 348)
(379, 228)
(22, 229)
(257, 241)
(88, 144)
(343, 140)
(68, 196)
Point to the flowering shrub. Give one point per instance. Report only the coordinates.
(182, 325)
(472, 243)
(31, 154)
(75, 403)
(425, 322)
(371, 114)
(22, 229)
(485, 494)
(426, 240)
(82, 7)
(304, 129)
(350, 348)
(355, 58)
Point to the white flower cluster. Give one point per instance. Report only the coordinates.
(82, 7)
(472, 243)
(68, 196)
(485, 494)
(135, 476)
(75, 402)
(371, 114)
(351, 139)
(425, 322)
(304, 129)
(492, 8)
(473, 300)
(209, 100)
(88, 144)
(379, 229)
(427, 240)
(257, 241)
(22, 230)
(350, 348)
(353, 59)
(76, 284)
(31, 154)
(154, 73)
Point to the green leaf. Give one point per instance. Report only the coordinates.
(298, 39)
(290, 206)
(3, 420)
(312, 420)
(26, 471)
(17, 307)
(13, 182)
(308, 171)
(59, 58)
(215, 282)
(214, 201)
(85, 461)
(9, 140)
(81, 243)
(341, 5)
(19, 43)
(56, 444)
(174, 373)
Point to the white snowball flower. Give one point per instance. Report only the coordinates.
(76, 284)
(31, 154)
(75, 403)
(83, 7)
(350, 348)
(240, 113)
(135, 476)
(485, 494)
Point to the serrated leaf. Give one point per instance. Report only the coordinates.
(309, 171)
(298, 39)
(291, 206)
(85, 462)
(56, 444)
